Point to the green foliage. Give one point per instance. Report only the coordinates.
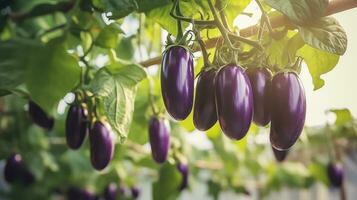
(167, 187)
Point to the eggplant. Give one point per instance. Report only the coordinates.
(111, 192)
(234, 101)
(184, 171)
(159, 137)
(260, 80)
(288, 110)
(177, 81)
(76, 126)
(101, 145)
(40, 117)
(280, 155)
(335, 174)
(75, 193)
(204, 112)
(15, 171)
(135, 192)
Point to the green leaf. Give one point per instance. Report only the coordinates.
(233, 8)
(325, 34)
(118, 90)
(109, 36)
(51, 74)
(319, 63)
(167, 187)
(318, 171)
(342, 116)
(302, 11)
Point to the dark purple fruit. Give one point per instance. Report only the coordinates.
(177, 81)
(288, 110)
(80, 194)
(135, 192)
(260, 80)
(234, 99)
(101, 146)
(204, 113)
(111, 192)
(76, 126)
(16, 171)
(159, 136)
(183, 169)
(39, 116)
(280, 155)
(335, 174)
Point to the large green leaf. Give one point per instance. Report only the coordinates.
(167, 187)
(302, 11)
(342, 116)
(319, 62)
(325, 34)
(233, 8)
(109, 36)
(118, 91)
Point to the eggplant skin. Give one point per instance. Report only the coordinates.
(204, 110)
(335, 174)
(280, 156)
(101, 145)
(15, 171)
(234, 101)
(177, 81)
(39, 116)
(135, 192)
(260, 80)
(75, 193)
(111, 192)
(184, 171)
(159, 137)
(288, 110)
(76, 126)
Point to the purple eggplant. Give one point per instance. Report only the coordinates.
(159, 136)
(184, 171)
(260, 80)
(75, 193)
(204, 113)
(335, 174)
(101, 145)
(280, 155)
(76, 126)
(135, 192)
(111, 192)
(288, 110)
(16, 171)
(234, 100)
(40, 117)
(177, 81)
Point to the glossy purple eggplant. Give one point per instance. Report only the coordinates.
(101, 145)
(40, 117)
(280, 155)
(15, 171)
(288, 110)
(177, 81)
(159, 137)
(260, 80)
(111, 192)
(234, 100)
(335, 174)
(135, 192)
(204, 112)
(184, 171)
(75, 193)
(76, 126)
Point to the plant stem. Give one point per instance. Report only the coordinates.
(245, 40)
(221, 13)
(264, 17)
(179, 25)
(61, 26)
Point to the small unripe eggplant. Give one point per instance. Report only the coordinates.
(288, 110)
(204, 112)
(75, 193)
(76, 126)
(260, 80)
(159, 137)
(234, 99)
(111, 192)
(135, 192)
(40, 117)
(16, 171)
(101, 145)
(183, 169)
(335, 174)
(177, 81)
(280, 155)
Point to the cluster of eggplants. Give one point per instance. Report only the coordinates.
(183, 169)
(335, 174)
(159, 137)
(15, 171)
(39, 116)
(77, 125)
